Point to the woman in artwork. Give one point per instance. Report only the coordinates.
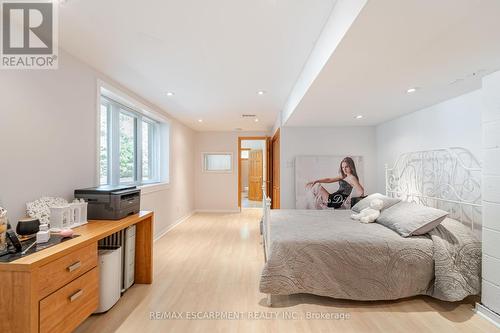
(349, 186)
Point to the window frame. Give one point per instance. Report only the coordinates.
(108, 136)
(154, 144)
(203, 164)
(114, 110)
(247, 153)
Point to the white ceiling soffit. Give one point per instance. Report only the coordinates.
(213, 55)
(441, 47)
(339, 22)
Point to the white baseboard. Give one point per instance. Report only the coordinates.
(170, 227)
(489, 315)
(226, 211)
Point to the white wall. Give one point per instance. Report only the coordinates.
(277, 124)
(47, 133)
(48, 141)
(176, 201)
(491, 193)
(347, 141)
(217, 191)
(453, 123)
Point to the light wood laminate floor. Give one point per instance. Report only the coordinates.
(212, 263)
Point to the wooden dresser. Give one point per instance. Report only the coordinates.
(56, 289)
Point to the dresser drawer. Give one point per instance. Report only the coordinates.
(58, 273)
(68, 307)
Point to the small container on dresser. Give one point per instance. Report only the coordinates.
(3, 230)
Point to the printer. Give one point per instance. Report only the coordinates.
(110, 202)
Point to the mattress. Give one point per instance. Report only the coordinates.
(327, 253)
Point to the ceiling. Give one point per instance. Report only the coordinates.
(442, 47)
(214, 55)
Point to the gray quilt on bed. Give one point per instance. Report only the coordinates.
(326, 253)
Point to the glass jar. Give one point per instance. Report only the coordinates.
(3, 229)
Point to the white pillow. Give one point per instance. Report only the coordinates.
(411, 219)
(365, 203)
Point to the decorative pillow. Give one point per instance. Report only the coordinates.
(365, 203)
(411, 219)
(355, 200)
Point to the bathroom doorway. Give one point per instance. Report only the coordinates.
(252, 171)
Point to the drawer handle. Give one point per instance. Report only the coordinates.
(76, 295)
(74, 266)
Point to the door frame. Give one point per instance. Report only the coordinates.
(275, 202)
(241, 138)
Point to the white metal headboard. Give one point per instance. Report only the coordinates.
(448, 179)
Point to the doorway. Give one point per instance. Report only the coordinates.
(252, 171)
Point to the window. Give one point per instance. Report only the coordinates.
(245, 153)
(129, 145)
(217, 162)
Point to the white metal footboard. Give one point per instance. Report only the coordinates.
(266, 207)
(266, 215)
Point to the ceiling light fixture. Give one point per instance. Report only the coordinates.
(359, 116)
(261, 92)
(200, 120)
(256, 120)
(170, 93)
(411, 90)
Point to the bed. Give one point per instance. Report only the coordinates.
(327, 253)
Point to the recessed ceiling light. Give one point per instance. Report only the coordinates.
(359, 116)
(200, 120)
(170, 93)
(261, 92)
(256, 120)
(411, 90)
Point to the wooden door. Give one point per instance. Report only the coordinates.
(255, 175)
(275, 199)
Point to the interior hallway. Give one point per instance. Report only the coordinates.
(246, 203)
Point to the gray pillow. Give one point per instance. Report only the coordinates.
(411, 219)
(365, 203)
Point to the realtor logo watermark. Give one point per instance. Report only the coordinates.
(29, 33)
